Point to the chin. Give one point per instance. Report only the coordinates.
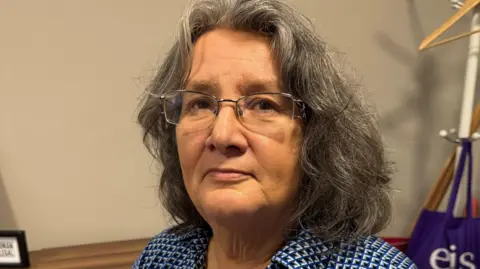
(229, 204)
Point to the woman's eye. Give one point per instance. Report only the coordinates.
(263, 105)
(201, 104)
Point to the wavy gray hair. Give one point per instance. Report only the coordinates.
(345, 184)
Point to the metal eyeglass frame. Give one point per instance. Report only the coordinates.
(298, 102)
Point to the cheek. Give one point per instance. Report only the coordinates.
(279, 159)
(281, 144)
(190, 148)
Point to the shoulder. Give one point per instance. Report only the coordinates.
(306, 250)
(173, 247)
(371, 252)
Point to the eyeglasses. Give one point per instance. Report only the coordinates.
(197, 110)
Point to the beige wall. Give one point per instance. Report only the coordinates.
(72, 166)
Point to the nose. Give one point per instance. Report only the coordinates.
(227, 135)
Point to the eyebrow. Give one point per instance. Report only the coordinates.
(245, 86)
(250, 86)
(210, 86)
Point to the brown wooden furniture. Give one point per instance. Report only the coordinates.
(118, 255)
(466, 8)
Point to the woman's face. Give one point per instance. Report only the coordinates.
(229, 170)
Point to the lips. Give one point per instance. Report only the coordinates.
(227, 174)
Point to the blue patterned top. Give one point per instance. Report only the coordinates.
(188, 250)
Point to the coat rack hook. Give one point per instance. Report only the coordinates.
(450, 135)
(456, 4)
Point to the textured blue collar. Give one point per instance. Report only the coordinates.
(187, 250)
(301, 251)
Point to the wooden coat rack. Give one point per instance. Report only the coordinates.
(467, 125)
(464, 9)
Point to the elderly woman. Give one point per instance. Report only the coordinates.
(270, 160)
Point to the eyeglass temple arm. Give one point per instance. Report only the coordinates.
(161, 97)
(154, 95)
(303, 108)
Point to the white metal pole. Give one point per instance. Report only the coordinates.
(468, 98)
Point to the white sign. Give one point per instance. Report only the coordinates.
(9, 250)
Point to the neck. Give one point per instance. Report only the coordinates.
(251, 247)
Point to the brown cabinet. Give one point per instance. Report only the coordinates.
(118, 255)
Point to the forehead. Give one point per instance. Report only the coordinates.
(224, 56)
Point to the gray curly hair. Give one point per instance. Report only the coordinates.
(344, 191)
